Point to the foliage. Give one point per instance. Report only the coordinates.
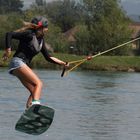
(107, 25)
(64, 13)
(8, 23)
(7, 6)
(56, 39)
(101, 24)
(39, 2)
(82, 40)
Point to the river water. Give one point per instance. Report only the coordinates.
(88, 105)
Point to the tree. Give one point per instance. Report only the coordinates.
(64, 13)
(107, 24)
(55, 39)
(7, 6)
(9, 22)
(39, 2)
(82, 40)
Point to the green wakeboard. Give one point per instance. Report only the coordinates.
(35, 120)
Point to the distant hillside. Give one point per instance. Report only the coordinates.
(134, 18)
(132, 7)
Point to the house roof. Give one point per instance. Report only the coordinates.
(135, 28)
(69, 35)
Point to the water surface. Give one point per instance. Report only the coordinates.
(88, 105)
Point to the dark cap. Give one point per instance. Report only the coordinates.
(40, 21)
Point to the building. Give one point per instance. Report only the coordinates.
(135, 27)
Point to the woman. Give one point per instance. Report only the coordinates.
(31, 42)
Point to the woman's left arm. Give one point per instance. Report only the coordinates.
(49, 58)
(58, 61)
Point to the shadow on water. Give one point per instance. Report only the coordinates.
(88, 105)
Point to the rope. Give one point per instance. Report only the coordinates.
(66, 73)
(85, 59)
(72, 62)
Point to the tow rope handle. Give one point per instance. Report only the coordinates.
(64, 69)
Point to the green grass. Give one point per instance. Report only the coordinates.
(116, 63)
(107, 63)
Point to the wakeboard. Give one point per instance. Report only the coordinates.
(35, 120)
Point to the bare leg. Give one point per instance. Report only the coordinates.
(31, 81)
(31, 89)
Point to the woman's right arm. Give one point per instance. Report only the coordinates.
(18, 36)
(14, 35)
(8, 42)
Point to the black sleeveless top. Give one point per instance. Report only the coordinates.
(29, 45)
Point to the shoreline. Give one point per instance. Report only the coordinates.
(101, 63)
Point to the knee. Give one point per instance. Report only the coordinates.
(39, 84)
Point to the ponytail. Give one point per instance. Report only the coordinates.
(27, 25)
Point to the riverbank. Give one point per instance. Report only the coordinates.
(104, 63)
(107, 63)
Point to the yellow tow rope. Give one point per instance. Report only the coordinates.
(79, 62)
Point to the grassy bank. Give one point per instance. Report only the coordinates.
(106, 63)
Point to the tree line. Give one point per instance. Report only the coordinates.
(99, 24)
